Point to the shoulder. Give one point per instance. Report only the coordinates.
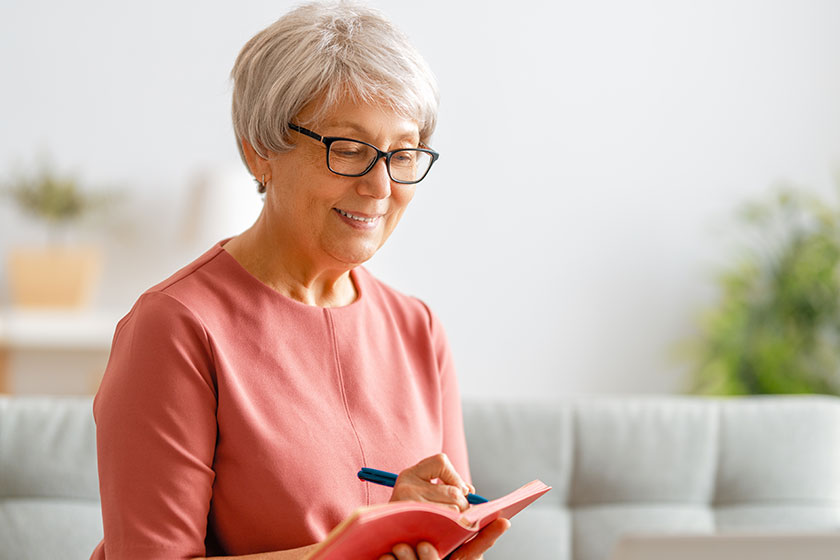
(381, 294)
(178, 303)
(163, 342)
(412, 311)
(192, 282)
(193, 290)
(411, 319)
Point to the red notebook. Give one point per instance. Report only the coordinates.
(372, 531)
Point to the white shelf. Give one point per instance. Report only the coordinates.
(57, 329)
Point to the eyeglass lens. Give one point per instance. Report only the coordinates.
(353, 158)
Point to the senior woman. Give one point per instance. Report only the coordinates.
(243, 393)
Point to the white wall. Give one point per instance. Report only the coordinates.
(591, 153)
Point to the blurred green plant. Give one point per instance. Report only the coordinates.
(51, 197)
(58, 199)
(776, 328)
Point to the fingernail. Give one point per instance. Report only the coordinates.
(425, 548)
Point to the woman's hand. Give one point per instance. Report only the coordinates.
(424, 551)
(433, 480)
(472, 550)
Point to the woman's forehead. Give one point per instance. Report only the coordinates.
(400, 129)
(354, 116)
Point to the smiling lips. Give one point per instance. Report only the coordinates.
(363, 219)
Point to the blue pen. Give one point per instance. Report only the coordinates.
(386, 478)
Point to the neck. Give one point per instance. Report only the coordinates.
(287, 272)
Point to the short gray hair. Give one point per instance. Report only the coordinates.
(329, 50)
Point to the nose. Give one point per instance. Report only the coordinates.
(376, 183)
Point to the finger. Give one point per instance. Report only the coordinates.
(404, 552)
(432, 480)
(437, 466)
(483, 541)
(439, 494)
(426, 551)
(445, 495)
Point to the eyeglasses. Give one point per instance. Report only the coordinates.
(354, 158)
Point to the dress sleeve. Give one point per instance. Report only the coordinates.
(454, 443)
(156, 433)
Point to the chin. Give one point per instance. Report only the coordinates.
(354, 257)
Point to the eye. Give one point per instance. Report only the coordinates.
(348, 152)
(405, 157)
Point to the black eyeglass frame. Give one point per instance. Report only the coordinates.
(328, 141)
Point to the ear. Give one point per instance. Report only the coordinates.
(256, 163)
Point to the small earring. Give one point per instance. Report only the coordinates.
(263, 180)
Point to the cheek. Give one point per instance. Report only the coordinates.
(401, 201)
(403, 196)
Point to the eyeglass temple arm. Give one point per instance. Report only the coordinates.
(306, 131)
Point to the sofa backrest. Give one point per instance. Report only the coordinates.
(656, 464)
(49, 494)
(617, 465)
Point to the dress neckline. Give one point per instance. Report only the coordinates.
(355, 276)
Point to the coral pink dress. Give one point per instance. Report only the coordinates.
(232, 419)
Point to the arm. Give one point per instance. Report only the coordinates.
(156, 433)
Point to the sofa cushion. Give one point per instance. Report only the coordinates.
(48, 448)
(779, 449)
(596, 529)
(540, 531)
(49, 494)
(511, 444)
(37, 529)
(636, 451)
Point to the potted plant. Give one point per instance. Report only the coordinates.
(61, 273)
(776, 327)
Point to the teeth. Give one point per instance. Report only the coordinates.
(357, 218)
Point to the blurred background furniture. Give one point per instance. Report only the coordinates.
(617, 465)
(54, 351)
(656, 464)
(49, 490)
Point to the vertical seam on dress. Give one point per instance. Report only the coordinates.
(344, 396)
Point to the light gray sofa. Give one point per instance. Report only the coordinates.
(617, 465)
(657, 464)
(49, 494)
